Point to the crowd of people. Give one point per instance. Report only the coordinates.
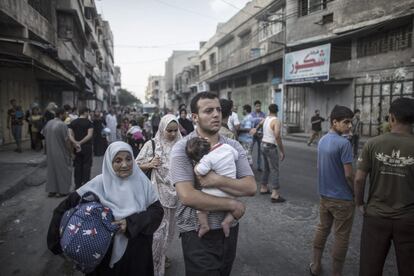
(176, 171)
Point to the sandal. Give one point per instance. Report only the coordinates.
(265, 193)
(310, 270)
(279, 199)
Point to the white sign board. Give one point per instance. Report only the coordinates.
(308, 65)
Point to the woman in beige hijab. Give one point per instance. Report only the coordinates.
(158, 161)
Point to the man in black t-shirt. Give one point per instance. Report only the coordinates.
(316, 122)
(80, 134)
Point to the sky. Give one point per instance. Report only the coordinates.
(147, 31)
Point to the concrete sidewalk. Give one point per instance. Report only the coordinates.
(18, 170)
(304, 137)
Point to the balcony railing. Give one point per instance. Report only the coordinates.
(43, 7)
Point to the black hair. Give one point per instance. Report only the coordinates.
(183, 110)
(182, 106)
(247, 107)
(403, 110)
(257, 102)
(67, 108)
(357, 111)
(273, 108)
(83, 110)
(196, 148)
(199, 96)
(59, 111)
(340, 113)
(316, 110)
(226, 106)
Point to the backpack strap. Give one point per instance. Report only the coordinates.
(89, 197)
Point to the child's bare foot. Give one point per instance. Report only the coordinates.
(203, 229)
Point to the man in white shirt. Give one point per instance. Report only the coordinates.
(233, 121)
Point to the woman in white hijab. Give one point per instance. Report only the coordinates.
(159, 160)
(125, 189)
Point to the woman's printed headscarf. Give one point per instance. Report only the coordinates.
(124, 196)
(160, 176)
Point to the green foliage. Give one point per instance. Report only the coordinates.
(126, 98)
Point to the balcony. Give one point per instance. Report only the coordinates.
(25, 15)
(90, 58)
(70, 56)
(74, 7)
(155, 94)
(107, 78)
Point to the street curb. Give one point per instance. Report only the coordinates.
(32, 177)
(305, 140)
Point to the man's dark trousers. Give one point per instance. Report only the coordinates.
(83, 164)
(211, 255)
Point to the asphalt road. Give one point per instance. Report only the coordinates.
(274, 239)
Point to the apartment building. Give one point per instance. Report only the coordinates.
(370, 45)
(173, 66)
(187, 82)
(243, 60)
(155, 92)
(59, 51)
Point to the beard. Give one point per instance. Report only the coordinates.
(207, 130)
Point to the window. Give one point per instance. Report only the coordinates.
(203, 66)
(212, 59)
(43, 7)
(67, 29)
(385, 41)
(310, 6)
(273, 25)
(240, 82)
(328, 18)
(226, 50)
(341, 51)
(259, 77)
(374, 99)
(245, 39)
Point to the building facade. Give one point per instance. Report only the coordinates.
(60, 51)
(371, 58)
(174, 66)
(155, 92)
(243, 60)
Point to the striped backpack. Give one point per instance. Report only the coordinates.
(86, 232)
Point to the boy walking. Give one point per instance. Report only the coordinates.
(335, 189)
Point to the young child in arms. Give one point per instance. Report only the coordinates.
(221, 158)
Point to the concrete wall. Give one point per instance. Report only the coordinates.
(347, 15)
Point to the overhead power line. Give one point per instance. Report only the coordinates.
(187, 10)
(154, 46)
(237, 8)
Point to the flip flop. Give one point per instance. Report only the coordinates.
(310, 270)
(265, 193)
(277, 200)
